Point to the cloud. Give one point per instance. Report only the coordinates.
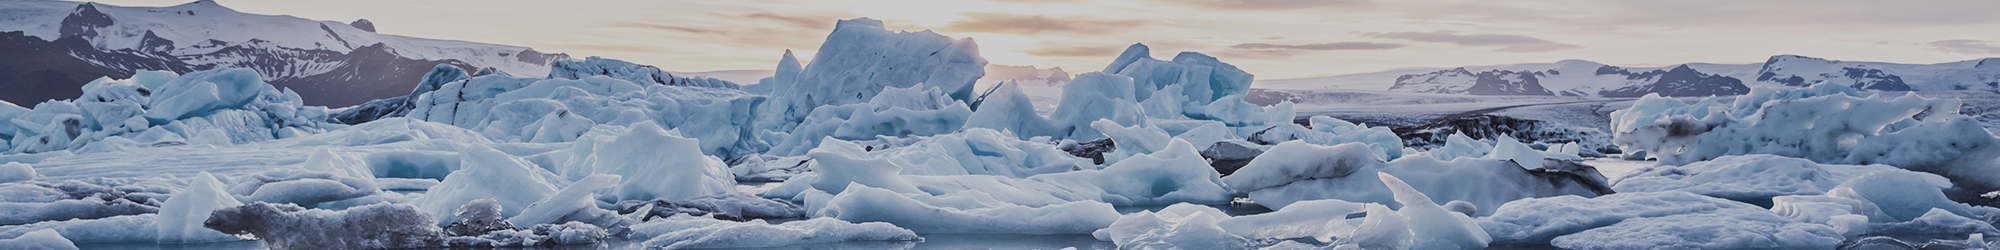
(1074, 51)
(1966, 46)
(1319, 46)
(1270, 4)
(796, 21)
(1507, 43)
(638, 25)
(1005, 23)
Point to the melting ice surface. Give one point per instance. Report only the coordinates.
(883, 140)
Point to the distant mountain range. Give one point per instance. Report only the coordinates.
(1586, 78)
(50, 48)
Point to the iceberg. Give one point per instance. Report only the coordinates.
(1316, 172)
(954, 215)
(656, 163)
(284, 226)
(1876, 129)
(1176, 173)
(1750, 177)
(487, 174)
(45, 239)
(685, 232)
(861, 59)
(16, 171)
(180, 219)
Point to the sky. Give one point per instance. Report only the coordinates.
(1273, 39)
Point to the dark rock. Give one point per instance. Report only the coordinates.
(1566, 174)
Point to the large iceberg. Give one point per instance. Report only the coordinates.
(860, 59)
(1877, 129)
(155, 109)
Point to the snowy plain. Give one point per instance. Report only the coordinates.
(885, 140)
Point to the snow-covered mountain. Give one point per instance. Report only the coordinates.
(1792, 70)
(1586, 78)
(48, 48)
(1565, 78)
(1460, 81)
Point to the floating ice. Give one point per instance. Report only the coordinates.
(1718, 229)
(557, 109)
(569, 200)
(45, 239)
(735, 207)
(303, 188)
(488, 174)
(860, 59)
(16, 171)
(1180, 226)
(656, 163)
(1797, 123)
(180, 220)
(596, 66)
(284, 226)
(219, 106)
(1749, 177)
(895, 112)
(1312, 172)
(1432, 225)
(953, 214)
(683, 232)
(1174, 174)
(1538, 220)
(1328, 131)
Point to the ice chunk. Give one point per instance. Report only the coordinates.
(1382, 229)
(1008, 109)
(1091, 97)
(572, 233)
(1180, 226)
(1747, 177)
(1538, 220)
(487, 173)
(683, 232)
(575, 197)
(1506, 148)
(16, 171)
(45, 239)
(1433, 226)
(979, 151)
(596, 66)
(658, 164)
(1329, 131)
(896, 112)
(1204, 78)
(735, 207)
(477, 218)
(1131, 141)
(85, 206)
(304, 188)
(115, 229)
(1322, 172)
(284, 226)
(1176, 173)
(1320, 220)
(1458, 145)
(862, 57)
(1903, 195)
(860, 203)
(840, 163)
(1794, 123)
(199, 93)
(1935, 221)
(1719, 229)
(179, 221)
